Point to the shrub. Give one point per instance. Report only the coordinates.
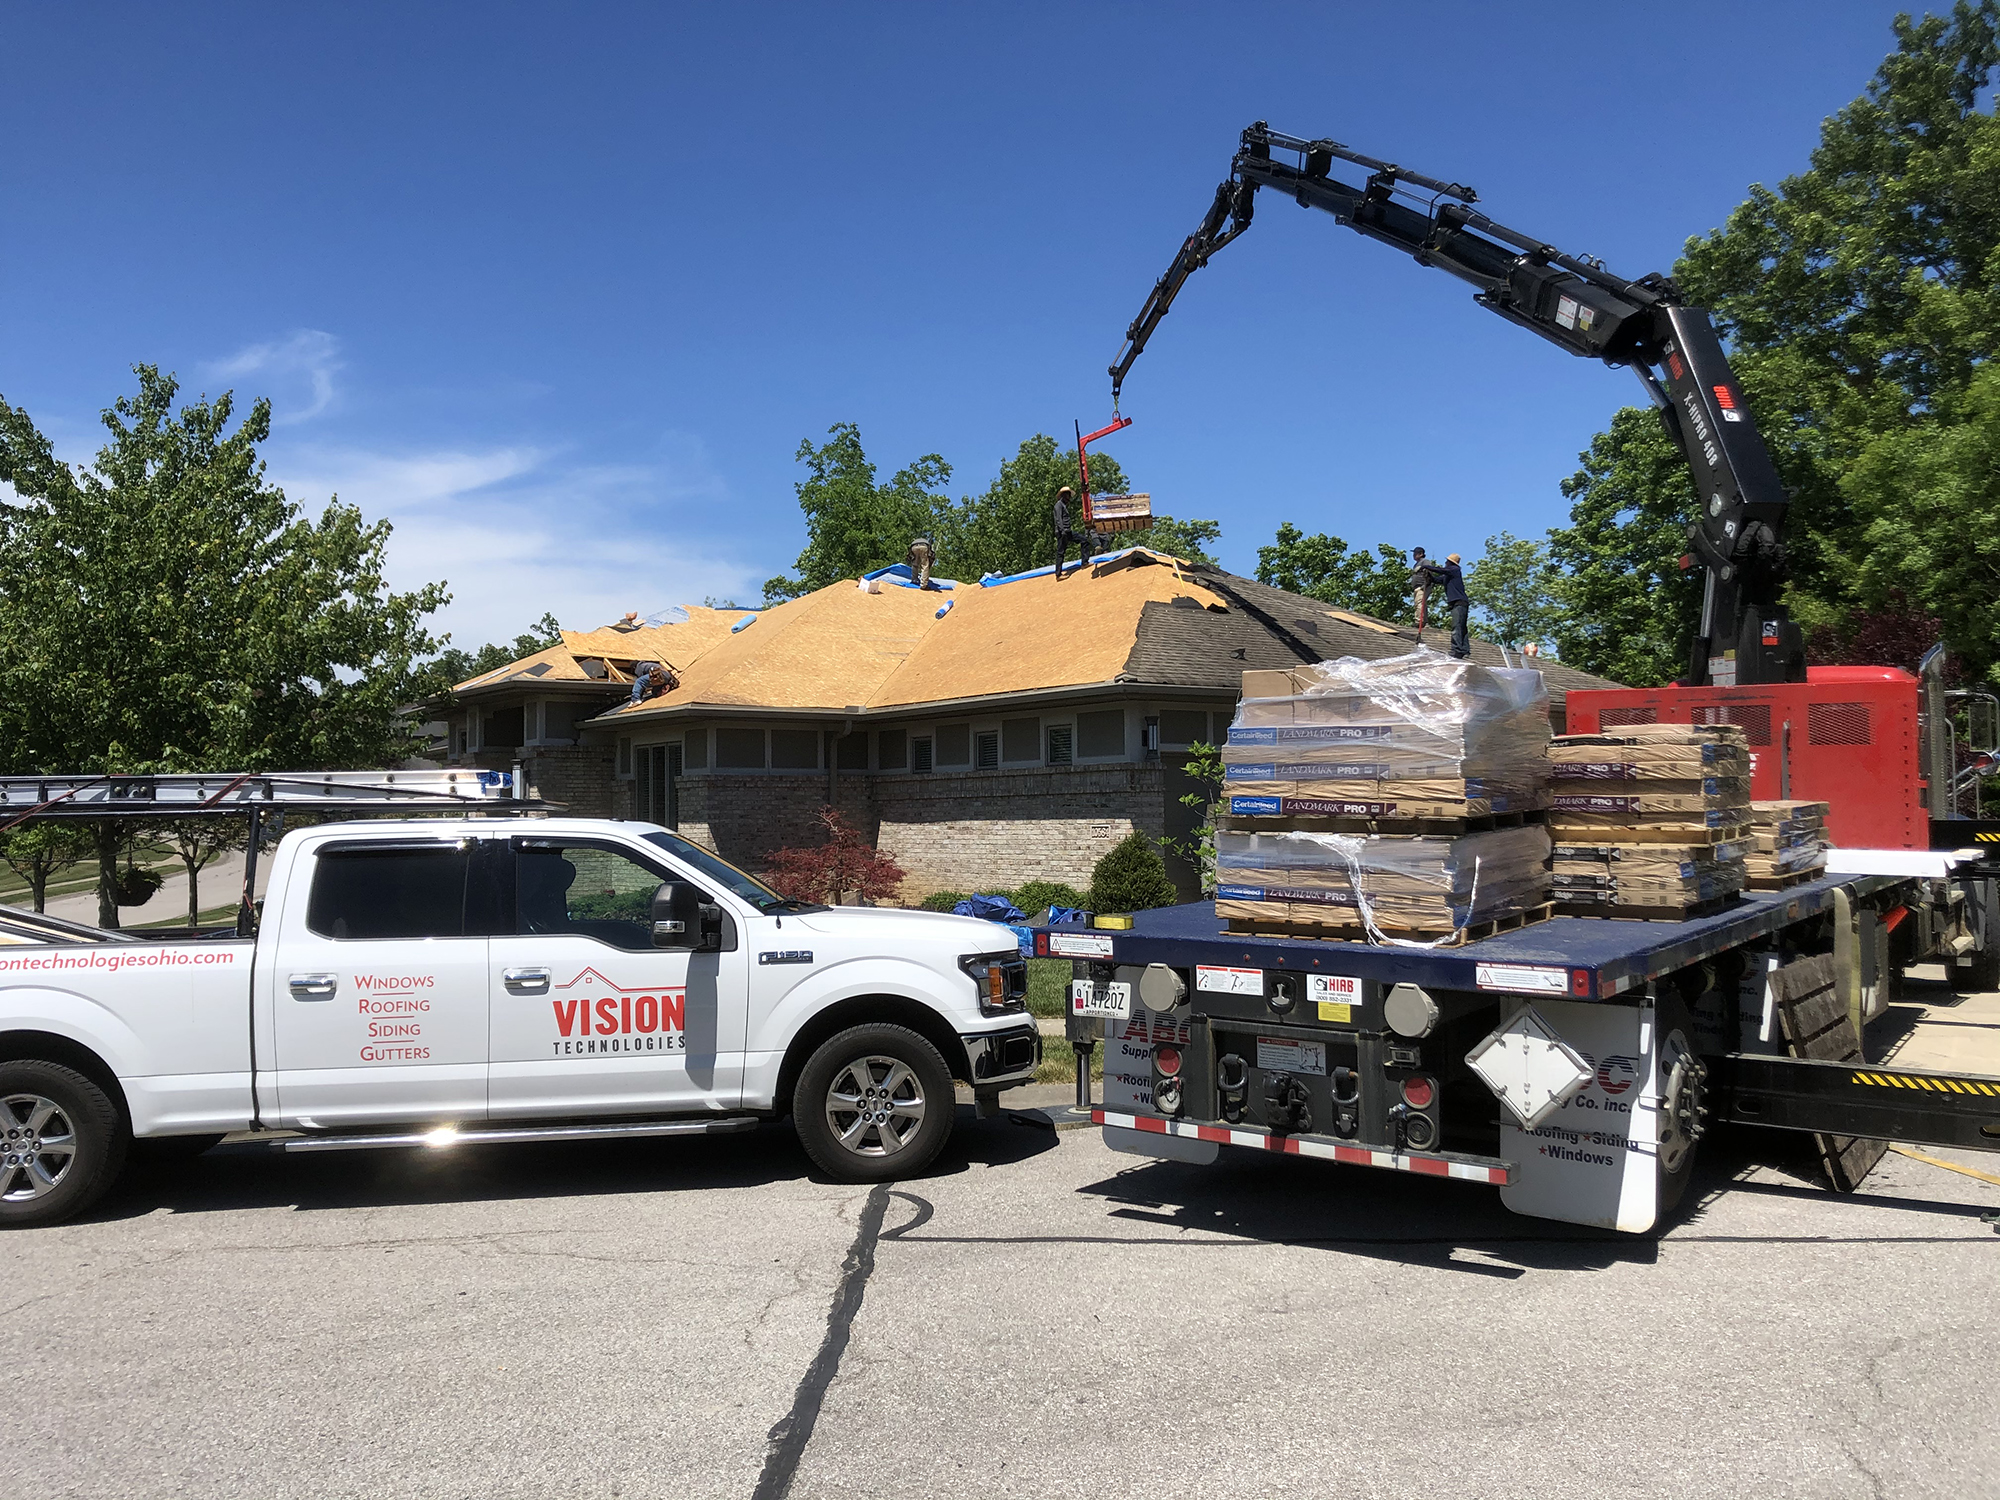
(843, 865)
(1037, 896)
(941, 900)
(1132, 877)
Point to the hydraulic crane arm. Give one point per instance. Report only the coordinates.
(1575, 303)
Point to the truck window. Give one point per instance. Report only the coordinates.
(586, 890)
(368, 894)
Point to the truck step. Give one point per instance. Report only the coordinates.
(446, 1135)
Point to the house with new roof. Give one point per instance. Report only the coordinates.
(981, 734)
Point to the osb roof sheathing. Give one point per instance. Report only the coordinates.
(559, 666)
(843, 648)
(1039, 633)
(830, 649)
(677, 645)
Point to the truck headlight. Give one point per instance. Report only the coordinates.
(1001, 979)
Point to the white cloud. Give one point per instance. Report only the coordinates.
(308, 357)
(514, 531)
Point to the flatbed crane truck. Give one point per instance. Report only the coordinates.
(1576, 1063)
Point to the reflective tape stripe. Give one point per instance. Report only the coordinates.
(1424, 1163)
(1929, 1083)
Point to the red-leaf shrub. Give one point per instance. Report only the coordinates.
(845, 865)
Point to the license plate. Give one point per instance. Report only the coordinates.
(1113, 1001)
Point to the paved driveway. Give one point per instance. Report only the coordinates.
(1040, 1317)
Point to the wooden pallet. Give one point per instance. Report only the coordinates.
(1387, 827)
(1714, 906)
(1321, 932)
(1816, 1026)
(1576, 833)
(1785, 882)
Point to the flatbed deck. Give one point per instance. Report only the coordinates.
(1576, 958)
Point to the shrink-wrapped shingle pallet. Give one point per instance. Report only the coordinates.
(1650, 821)
(1387, 801)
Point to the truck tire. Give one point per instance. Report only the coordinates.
(1683, 1104)
(62, 1143)
(874, 1103)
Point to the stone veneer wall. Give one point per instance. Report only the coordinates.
(953, 831)
(996, 829)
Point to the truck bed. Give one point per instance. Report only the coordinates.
(1599, 958)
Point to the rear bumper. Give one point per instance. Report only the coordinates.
(1487, 1169)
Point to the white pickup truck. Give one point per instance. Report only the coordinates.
(426, 983)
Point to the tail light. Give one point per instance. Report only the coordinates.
(1419, 1092)
(1168, 1095)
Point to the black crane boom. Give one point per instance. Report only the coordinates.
(1572, 301)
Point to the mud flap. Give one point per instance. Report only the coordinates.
(1594, 1160)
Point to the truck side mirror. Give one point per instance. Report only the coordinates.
(676, 915)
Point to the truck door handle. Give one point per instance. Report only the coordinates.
(526, 981)
(314, 986)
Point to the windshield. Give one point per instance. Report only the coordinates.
(723, 873)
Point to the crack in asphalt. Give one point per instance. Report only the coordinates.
(786, 1443)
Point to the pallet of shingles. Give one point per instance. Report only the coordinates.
(1363, 886)
(1356, 748)
(1650, 820)
(1788, 843)
(1414, 737)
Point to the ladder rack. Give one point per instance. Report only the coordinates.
(194, 794)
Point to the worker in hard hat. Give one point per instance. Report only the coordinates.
(1456, 606)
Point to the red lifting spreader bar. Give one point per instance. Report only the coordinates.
(1083, 442)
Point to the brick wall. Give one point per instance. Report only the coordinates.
(745, 818)
(579, 775)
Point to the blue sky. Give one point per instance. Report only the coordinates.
(559, 290)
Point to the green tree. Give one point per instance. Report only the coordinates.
(1322, 566)
(197, 842)
(166, 608)
(853, 524)
(1857, 300)
(1628, 610)
(1514, 589)
(1131, 877)
(38, 852)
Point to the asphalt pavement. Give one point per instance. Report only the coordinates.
(1039, 1316)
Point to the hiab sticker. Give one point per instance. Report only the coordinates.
(591, 1023)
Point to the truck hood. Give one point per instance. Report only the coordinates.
(969, 934)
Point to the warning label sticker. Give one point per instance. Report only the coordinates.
(1220, 981)
(1275, 1055)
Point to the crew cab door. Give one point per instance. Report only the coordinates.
(381, 974)
(589, 1017)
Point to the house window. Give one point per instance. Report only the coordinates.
(697, 749)
(1019, 739)
(1062, 744)
(656, 796)
(795, 749)
(850, 752)
(625, 757)
(503, 728)
(739, 749)
(920, 755)
(954, 745)
(1100, 735)
(986, 750)
(892, 749)
(1183, 726)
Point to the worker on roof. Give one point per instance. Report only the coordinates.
(1424, 574)
(919, 560)
(1064, 536)
(1455, 603)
